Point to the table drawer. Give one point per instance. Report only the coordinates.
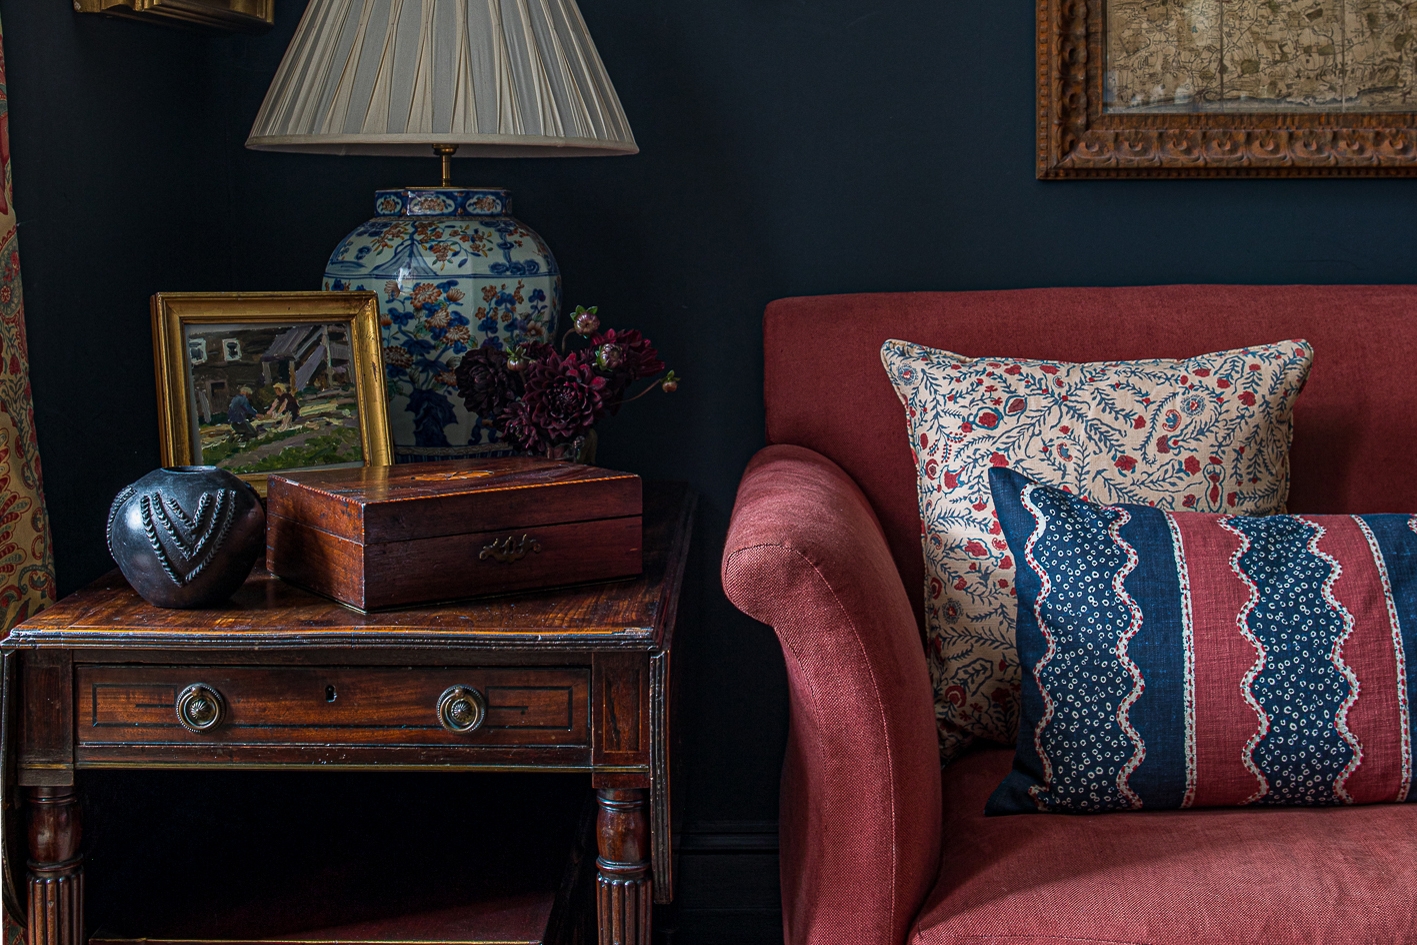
(132, 706)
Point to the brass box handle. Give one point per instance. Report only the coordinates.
(461, 709)
(510, 549)
(200, 708)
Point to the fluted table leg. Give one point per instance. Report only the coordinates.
(624, 894)
(56, 874)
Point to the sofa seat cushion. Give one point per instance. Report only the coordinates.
(1268, 877)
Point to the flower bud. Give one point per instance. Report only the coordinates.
(516, 361)
(609, 357)
(586, 321)
(670, 383)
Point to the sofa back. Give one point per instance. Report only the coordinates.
(1355, 424)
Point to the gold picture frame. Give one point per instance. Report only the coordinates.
(302, 372)
(1088, 127)
(231, 16)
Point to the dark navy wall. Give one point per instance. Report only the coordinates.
(120, 190)
(788, 147)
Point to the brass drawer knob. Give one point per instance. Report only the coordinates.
(200, 708)
(461, 709)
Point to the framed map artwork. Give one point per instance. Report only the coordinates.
(1227, 88)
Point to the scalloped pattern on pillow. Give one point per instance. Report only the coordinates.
(1182, 659)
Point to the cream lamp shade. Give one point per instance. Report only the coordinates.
(495, 78)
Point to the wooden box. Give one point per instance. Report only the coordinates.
(395, 536)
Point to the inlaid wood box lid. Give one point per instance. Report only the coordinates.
(388, 536)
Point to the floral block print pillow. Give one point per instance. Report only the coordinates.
(1182, 659)
(1209, 433)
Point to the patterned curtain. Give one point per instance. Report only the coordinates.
(26, 561)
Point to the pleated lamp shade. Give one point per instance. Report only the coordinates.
(497, 78)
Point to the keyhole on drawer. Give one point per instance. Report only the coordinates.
(330, 694)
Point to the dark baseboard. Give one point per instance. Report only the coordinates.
(730, 836)
(726, 887)
(720, 928)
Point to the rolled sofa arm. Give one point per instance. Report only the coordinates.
(860, 808)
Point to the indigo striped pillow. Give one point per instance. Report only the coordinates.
(1185, 659)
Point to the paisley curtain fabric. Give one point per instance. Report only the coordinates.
(26, 562)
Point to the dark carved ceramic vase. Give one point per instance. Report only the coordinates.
(186, 536)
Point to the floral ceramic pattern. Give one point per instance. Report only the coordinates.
(453, 272)
(1210, 434)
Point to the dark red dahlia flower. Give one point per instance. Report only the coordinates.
(536, 350)
(638, 358)
(564, 396)
(484, 382)
(624, 357)
(516, 425)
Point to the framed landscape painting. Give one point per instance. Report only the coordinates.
(257, 383)
(1227, 88)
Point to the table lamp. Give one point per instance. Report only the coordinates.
(453, 269)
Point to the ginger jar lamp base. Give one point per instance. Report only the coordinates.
(454, 270)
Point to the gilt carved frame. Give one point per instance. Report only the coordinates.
(173, 313)
(1078, 139)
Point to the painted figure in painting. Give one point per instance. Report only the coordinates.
(240, 413)
(284, 408)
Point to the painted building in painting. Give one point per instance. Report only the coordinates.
(302, 357)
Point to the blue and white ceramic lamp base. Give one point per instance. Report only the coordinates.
(453, 271)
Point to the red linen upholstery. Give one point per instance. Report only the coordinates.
(1258, 877)
(1355, 424)
(861, 781)
(823, 562)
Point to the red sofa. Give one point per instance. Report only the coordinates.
(879, 845)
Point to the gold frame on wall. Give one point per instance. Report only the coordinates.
(172, 312)
(236, 16)
(1078, 139)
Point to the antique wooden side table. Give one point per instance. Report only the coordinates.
(573, 680)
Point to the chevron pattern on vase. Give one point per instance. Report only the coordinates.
(185, 543)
